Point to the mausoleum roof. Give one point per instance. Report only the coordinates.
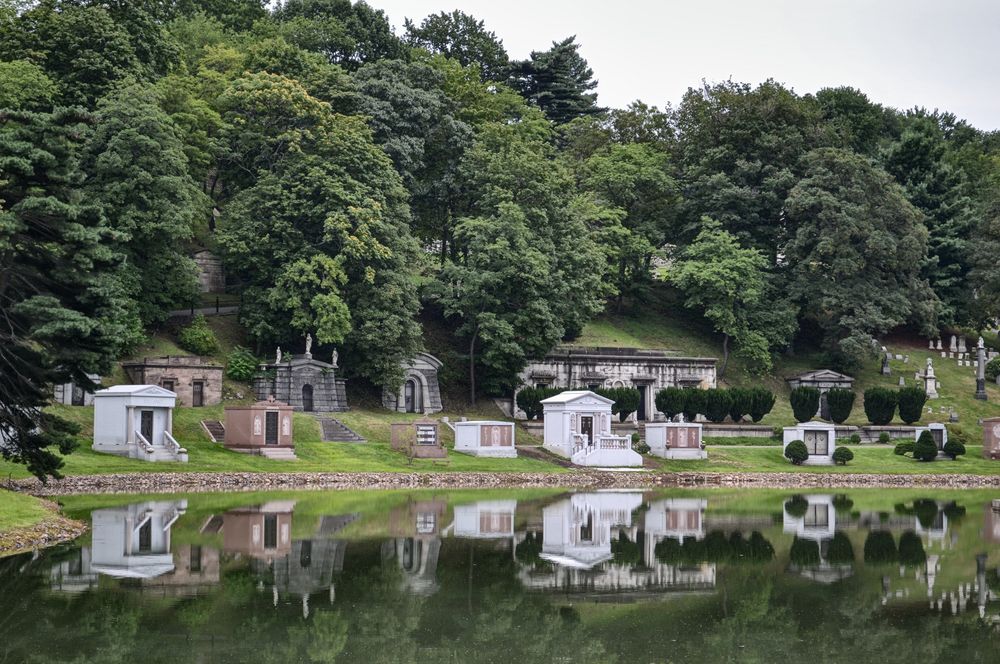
(570, 396)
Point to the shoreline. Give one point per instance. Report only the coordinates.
(159, 483)
(52, 530)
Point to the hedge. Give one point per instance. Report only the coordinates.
(740, 402)
(842, 455)
(694, 405)
(198, 337)
(880, 405)
(671, 401)
(911, 404)
(529, 400)
(717, 403)
(626, 400)
(805, 403)
(840, 402)
(761, 402)
(993, 369)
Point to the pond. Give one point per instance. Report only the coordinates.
(514, 576)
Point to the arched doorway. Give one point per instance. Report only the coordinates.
(307, 398)
(413, 396)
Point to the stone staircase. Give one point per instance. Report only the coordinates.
(279, 453)
(215, 430)
(335, 431)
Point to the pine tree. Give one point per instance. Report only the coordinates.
(559, 81)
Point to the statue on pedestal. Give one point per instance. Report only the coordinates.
(277, 356)
(336, 356)
(309, 344)
(981, 370)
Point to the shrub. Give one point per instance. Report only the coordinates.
(911, 549)
(197, 337)
(880, 547)
(740, 402)
(842, 503)
(805, 403)
(840, 550)
(804, 552)
(855, 438)
(958, 434)
(954, 449)
(880, 405)
(797, 506)
(911, 404)
(761, 550)
(761, 403)
(241, 364)
(883, 438)
(925, 449)
(717, 403)
(906, 447)
(694, 404)
(626, 400)
(842, 455)
(796, 452)
(993, 369)
(671, 401)
(529, 400)
(841, 403)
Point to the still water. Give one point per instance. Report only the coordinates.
(522, 576)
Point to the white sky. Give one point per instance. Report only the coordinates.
(902, 53)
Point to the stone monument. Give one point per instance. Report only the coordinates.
(886, 369)
(962, 349)
(953, 346)
(930, 381)
(939, 346)
(981, 370)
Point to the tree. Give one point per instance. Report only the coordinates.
(925, 449)
(717, 403)
(880, 405)
(911, 404)
(805, 403)
(729, 285)
(840, 401)
(740, 403)
(59, 304)
(322, 80)
(694, 404)
(626, 400)
(670, 401)
(761, 402)
(856, 255)
(138, 173)
(461, 36)
(559, 81)
(25, 86)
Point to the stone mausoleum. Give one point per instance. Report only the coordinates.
(196, 381)
(419, 391)
(823, 380)
(71, 394)
(648, 370)
(305, 383)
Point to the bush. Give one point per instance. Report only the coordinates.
(954, 449)
(925, 449)
(842, 455)
(911, 549)
(880, 405)
(198, 337)
(804, 552)
(641, 448)
(626, 400)
(761, 402)
(911, 404)
(694, 404)
(883, 438)
(797, 506)
(840, 550)
(841, 403)
(740, 402)
(855, 439)
(796, 452)
(993, 369)
(880, 547)
(241, 364)
(842, 504)
(717, 403)
(529, 400)
(904, 448)
(671, 401)
(805, 403)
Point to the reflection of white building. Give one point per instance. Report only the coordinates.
(576, 532)
(485, 519)
(818, 523)
(678, 518)
(134, 541)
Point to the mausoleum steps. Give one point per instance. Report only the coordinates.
(335, 431)
(215, 429)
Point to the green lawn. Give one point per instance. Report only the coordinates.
(18, 510)
(867, 459)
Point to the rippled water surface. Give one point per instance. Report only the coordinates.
(520, 576)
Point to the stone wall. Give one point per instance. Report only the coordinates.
(288, 381)
(211, 277)
(179, 374)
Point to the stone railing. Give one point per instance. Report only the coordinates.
(172, 445)
(580, 443)
(141, 441)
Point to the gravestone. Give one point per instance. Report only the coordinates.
(939, 346)
(902, 382)
(930, 344)
(953, 346)
(886, 369)
(981, 370)
(961, 345)
(930, 381)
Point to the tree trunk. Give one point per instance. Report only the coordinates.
(472, 367)
(725, 355)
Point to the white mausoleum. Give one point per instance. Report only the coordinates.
(485, 438)
(675, 440)
(820, 439)
(578, 426)
(136, 421)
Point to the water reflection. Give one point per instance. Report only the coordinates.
(444, 574)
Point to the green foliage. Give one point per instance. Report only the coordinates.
(925, 449)
(797, 506)
(880, 405)
(626, 400)
(840, 401)
(740, 403)
(796, 452)
(559, 81)
(463, 37)
(842, 455)
(25, 86)
(880, 548)
(803, 552)
(840, 551)
(529, 400)
(883, 438)
(241, 364)
(904, 448)
(954, 449)
(640, 447)
(197, 337)
(911, 404)
(993, 369)
(694, 404)
(911, 549)
(805, 403)
(671, 401)
(717, 403)
(855, 438)
(761, 402)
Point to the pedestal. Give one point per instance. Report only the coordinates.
(981, 389)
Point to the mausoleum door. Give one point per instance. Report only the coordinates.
(587, 428)
(307, 398)
(146, 425)
(640, 414)
(413, 397)
(271, 428)
(817, 442)
(77, 399)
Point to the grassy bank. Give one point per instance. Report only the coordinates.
(18, 510)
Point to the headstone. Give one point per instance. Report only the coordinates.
(953, 346)
(939, 346)
(902, 382)
(898, 356)
(886, 370)
(930, 381)
(930, 344)
(944, 353)
(906, 359)
(981, 370)
(961, 345)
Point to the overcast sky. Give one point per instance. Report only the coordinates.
(902, 53)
